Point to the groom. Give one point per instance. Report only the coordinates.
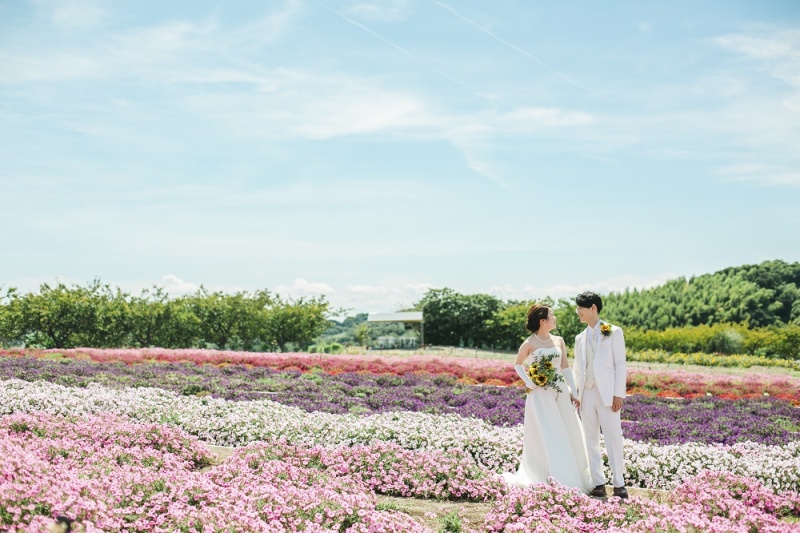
(600, 373)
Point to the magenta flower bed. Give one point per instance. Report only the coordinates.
(386, 468)
(711, 501)
(133, 481)
(115, 475)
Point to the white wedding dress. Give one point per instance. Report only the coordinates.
(553, 443)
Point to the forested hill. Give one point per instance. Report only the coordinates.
(760, 295)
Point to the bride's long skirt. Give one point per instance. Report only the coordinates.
(553, 443)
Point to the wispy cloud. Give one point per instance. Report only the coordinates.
(379, 10)
(252, 100)
(176, 51)
(399, 48)
(388, 297)
(301, 287)
(512, 46)
(175, 286)
(69, 15)
(769, 175)
(618, 284)
(778, 50)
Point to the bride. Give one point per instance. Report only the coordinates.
(553, 443)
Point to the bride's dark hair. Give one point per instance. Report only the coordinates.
(536, 313)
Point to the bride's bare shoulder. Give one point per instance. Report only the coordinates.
(527, 345)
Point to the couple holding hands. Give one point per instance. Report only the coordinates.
(556, 442)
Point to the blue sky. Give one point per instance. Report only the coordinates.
(370, 150)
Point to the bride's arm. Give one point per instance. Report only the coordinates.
(564, 361)
(524, 351)
(566, 371)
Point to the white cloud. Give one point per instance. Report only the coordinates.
(531, 292)
(409, 288)
(777, 50)
(301, 287)
(771, 175)
(72, 14)
(778, 45)
(530, 118)
(379, 10)
(388, 297)
(175, 286)
(285, 102)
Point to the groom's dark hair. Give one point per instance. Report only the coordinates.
(586, 299)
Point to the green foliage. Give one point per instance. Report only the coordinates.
(507, 326)
(59, 316)
(451, 523)
(758, 295)
(229, 320)
(99, 316)
(294, 321)
(773, 341)
(155, 320)
(568, 324)
(454, 319)
(711, 359)
(752, 309)
(334, 348)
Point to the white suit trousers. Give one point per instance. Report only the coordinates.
(596, 416)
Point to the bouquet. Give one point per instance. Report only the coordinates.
(543, 373)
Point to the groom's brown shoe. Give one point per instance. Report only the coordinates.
(598, 492)
(621, 492)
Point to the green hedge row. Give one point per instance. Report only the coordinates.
(781, 342)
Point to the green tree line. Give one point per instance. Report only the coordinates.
(760, 296)
(97, 315)
(749, 309)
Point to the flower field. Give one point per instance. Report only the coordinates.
(466, 371)
(121, 445)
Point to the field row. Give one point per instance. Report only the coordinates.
(705, 420)
(495, 449)
(111, 473)
(119, 442)
(238, 365)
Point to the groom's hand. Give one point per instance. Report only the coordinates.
(616, 404)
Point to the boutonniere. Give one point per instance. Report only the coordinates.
(605, 330)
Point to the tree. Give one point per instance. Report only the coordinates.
(58, 317)
(454, 319)
(507, 326)
(568, 324)
(362, 334)
(758, 295)
(293, 321)
(153, 319)
(10, 332)
(228, 320)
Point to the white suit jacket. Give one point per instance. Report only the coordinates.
(610, 370)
